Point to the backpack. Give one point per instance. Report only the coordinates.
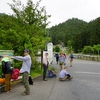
(51, 74)
(6, 67)
(15, 73)
(71, 56)
(56, 55)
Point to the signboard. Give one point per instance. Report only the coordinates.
(50, 52)
(6, 53)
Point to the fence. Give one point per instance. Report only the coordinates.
(87, 57)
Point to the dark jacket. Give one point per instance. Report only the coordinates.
(6, 67)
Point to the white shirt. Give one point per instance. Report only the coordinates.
(26, 65)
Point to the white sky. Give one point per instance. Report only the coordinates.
(62, 10)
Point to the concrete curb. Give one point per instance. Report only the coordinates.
(15, 83)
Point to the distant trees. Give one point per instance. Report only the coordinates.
(77, 33)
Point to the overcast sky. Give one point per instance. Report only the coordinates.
(62, 10)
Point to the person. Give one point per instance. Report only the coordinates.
(65, 58)
(61, 61)
(7, 72)
(64, 74)
(57, 57)
(71, 58)
(25, 70)
(45, 66)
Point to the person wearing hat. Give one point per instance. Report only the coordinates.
(25, 70)
(7, 72)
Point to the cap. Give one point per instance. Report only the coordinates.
(26, 50)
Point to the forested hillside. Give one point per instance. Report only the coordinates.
(76, 33)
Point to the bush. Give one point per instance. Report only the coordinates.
(57, 49)
(87, 50)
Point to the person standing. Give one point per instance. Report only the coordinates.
(45, 66)
(57, 57)
(71, 58)
(7, 72)
(64, 74)
(61, 61)
(25, 70)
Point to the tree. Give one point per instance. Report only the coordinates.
(88, 50)
(57, 49)
(96, 48)
(24, 29)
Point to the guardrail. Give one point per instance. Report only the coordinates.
(87, 57)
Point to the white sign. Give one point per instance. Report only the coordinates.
(50, 52)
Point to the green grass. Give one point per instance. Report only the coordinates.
(35, 73)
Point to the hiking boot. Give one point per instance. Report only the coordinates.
(44, 79)
(25, 93)
(70, 78)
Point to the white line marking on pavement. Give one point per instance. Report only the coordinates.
(86, 72)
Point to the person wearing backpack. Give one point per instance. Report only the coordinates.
(7, 72)
(71, 58)
(57, 57)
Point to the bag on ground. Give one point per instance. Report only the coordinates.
(2, 80)
(51, 74)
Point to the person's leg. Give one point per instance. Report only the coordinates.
(69, 76)
(57, 60)
(60, 67)
(71, 62)
(7, 86)
(10, 87)
(44, 72)
(63, 79)
(26, 83)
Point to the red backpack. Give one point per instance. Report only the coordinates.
(15, 74)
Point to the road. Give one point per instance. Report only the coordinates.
(84, 86)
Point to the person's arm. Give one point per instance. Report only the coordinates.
(21, 58)
(66, 72)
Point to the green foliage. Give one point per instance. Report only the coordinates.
(96, 48)
(66, 31)
(24, 29)
(88, 50)
(76, 33)
(56, 49)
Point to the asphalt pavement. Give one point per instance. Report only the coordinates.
(85, 84)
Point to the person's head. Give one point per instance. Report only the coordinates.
(26, 52)
(65, 68)
(46, 54)
(71, 52)
(61, 54)
(1, 58)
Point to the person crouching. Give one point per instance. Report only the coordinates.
(64, 74)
